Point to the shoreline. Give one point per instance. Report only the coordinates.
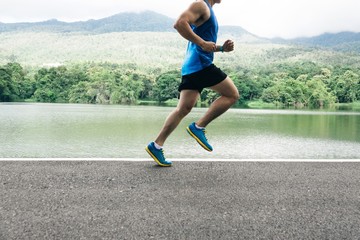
(251, 105)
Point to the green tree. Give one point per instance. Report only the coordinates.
(346, 87)
(166, 86)
(127, 91)
(288, 92)
(271, 94)
(6, 86)
(80, 93)
(101, 82)
(317, 94)
(248, 85)
(54, 84)
(208, 96)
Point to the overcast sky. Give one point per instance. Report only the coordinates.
(266, 18)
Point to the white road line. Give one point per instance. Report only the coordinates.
(184, 160)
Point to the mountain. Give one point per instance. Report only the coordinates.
(131, 22)
(343, 41)
(147, 21)
(329, 39)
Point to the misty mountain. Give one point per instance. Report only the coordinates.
(330, 39)
(124, 22)
(147, 21)
(343, 41)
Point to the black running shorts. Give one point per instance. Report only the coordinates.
(207, 77)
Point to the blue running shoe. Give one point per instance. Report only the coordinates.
(157, 155)
(199, 135)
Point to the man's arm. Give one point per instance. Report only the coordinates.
(196, 11)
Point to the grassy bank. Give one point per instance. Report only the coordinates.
(355, 106)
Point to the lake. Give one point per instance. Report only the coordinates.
(36, 130)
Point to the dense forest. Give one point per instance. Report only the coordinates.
(300, 84)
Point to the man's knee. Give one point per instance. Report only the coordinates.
(234, 96)
(184, 110)
(228, 89)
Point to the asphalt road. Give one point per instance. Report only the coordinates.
(191, 200)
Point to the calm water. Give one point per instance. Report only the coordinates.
(66, 130)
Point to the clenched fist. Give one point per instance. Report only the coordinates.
(228, 46)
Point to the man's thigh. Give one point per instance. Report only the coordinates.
(188, 98)
(226, 88)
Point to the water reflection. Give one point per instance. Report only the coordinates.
(66, 130)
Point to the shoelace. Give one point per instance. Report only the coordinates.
(162, 152)
(204, 131)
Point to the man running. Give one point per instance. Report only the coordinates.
(199, 26)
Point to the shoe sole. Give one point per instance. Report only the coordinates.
(155, 158)
(198, 140)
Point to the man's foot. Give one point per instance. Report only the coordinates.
(199, 135)
(157, 155)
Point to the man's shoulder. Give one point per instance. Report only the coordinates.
(199, 6)
(201, 9)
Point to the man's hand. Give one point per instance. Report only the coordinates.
(228, 46)
(208, 46)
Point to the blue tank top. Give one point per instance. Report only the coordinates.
(197, 59)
